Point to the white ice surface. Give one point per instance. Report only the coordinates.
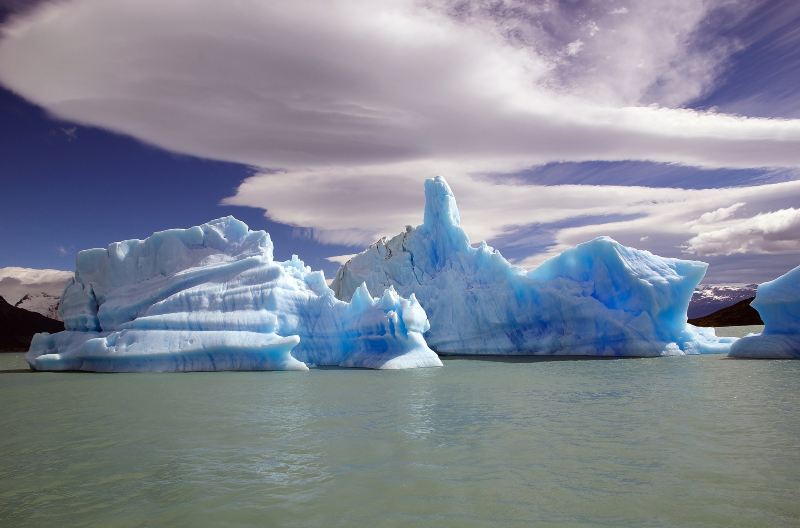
(211, 297)
(599, 298)
(778, 303)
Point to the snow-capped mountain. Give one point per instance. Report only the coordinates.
(708, 298)
(35, 290)
(17, 327)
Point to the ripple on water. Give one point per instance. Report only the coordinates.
(641, 442)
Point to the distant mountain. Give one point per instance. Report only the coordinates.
(738, 314)
(35, 290)
(17, 327)
(710, 298)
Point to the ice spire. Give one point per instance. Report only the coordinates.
(440, 204)
(442, 222)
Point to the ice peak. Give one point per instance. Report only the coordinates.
(440, 204)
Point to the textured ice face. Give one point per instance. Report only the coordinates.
(778, 303)
(599, 298)
(211, 297)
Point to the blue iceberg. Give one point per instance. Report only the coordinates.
(778, 303)
(597, 299)
(212, 297)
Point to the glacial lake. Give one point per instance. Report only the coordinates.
(686, 441)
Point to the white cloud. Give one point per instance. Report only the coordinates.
(339, 259)
(358, 206)
(723, 213)
(775, 232)
(668, 218)
(355, 83)
(574, 47)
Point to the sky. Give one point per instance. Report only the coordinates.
(670, 125)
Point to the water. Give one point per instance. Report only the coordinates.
(738, 331)
(692, 441)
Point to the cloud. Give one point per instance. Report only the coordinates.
(764, 73)
(352, 103)
(723, 213)
(642, 53)
(776, 232)
(668, 218)
(358, 206)
(71, 133)
(351, 83)
(574, 47)
(340, 259)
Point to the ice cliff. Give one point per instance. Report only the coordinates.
(212, 297)
(778, 303)
(597, 299)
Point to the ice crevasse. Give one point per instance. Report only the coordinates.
(599, 298)
(778, 303)
(212, 297)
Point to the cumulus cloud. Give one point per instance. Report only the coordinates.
(775, 232)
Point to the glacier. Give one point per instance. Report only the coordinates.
(212, 297)
(599, 298)
(778, 303)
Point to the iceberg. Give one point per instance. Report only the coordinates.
(212, 297)
(597, 299)
(778, 303)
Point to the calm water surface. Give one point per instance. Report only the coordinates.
(693, 441)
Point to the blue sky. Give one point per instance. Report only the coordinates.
(68, 187)
(554, 122)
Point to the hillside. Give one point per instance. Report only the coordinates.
(710, 298)
(17, 327)
(35, 290)
(739, 314)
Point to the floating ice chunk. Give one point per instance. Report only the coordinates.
(778, 303)
(165, 350)
(211, 297)
(599, 298)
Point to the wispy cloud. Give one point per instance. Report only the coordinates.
(717, 215)
(63, 251)
(71, 133)
(339, 259)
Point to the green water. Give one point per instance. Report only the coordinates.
(738, 331)
(692, 441)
